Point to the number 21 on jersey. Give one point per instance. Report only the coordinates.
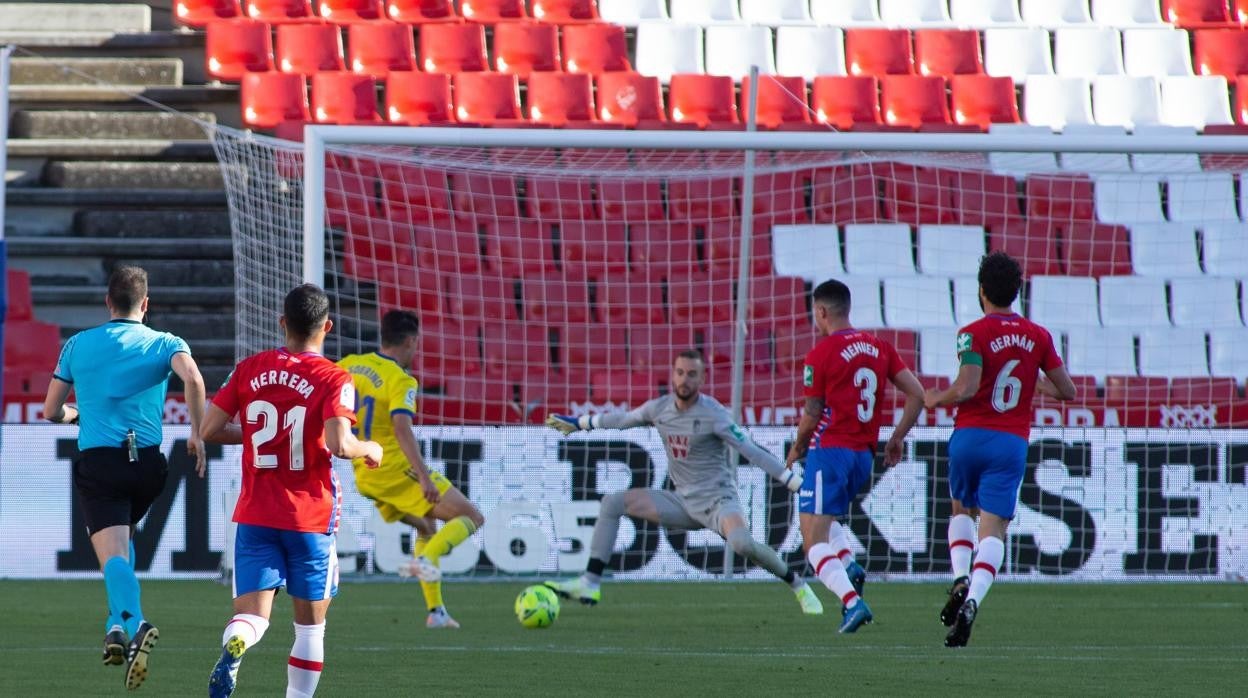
(265, 414)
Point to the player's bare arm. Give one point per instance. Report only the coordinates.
(54, 408)
(811, 414)
(193, 385)
(964, 388)
(402, 423)
(343, 444)
(217, 428)
(1057, 384)
(908, 384)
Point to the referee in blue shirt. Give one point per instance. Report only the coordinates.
(119, 372)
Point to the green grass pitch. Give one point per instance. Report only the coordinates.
(658, 639)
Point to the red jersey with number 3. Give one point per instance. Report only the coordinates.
(847, 369)
(1013, 350)
(284, 400)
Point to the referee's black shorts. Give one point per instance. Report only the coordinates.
(112, 491)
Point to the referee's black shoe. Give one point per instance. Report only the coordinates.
(115, 647)
(137, 654)
(961, 630)
(957, 595)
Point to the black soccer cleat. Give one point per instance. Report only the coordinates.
(114, 648)
(957, 596)
(137, 654)
(961, 630)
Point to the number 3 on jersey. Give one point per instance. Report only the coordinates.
(866, 379)
(265, 414)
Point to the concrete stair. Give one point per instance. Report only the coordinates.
(109, 124)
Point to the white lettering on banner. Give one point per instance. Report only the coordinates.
(1189, 417)
(1099, 504)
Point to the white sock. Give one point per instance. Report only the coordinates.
(250, 628)
(987, 562)
(961, 544)
(831, 572)
(839, 540)
(303, 671)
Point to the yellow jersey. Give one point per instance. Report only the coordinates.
(382, 389)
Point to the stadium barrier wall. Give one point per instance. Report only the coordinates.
(1097, 504)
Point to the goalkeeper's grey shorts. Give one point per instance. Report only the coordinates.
(676, 512)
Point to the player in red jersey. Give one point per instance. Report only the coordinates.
(1001, 357)
(838, 433)
(296, 408)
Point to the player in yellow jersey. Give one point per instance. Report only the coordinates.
(402, 487)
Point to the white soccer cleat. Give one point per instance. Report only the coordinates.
(577, 590)
(811, 605)
(421, 568)
(441, 619)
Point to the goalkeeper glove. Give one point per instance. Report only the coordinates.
(567, 425)
(792, 476)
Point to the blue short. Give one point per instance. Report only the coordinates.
(269, 558)
(986, 469)
(834, 476)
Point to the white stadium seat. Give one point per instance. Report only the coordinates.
(705, 11)
(966, 308)
(866, 309)
(809, 251)
(1156, 53)
(664, 49)
(1100, 352)
(914, 13)
(1133, 301)
(882, 249)
(918, 301)
(1164, 250)
(938, 352)
(1094, 163)
(1128, 198)
(1017, 53)
(1206, 302)
(1228, 353)
(1226, 249)
(1054, 101)
(1173, 352)
(1126, 100)
(985, 13)
(1055, 13)
(845, 12)
(731, 50)
(775, 12)
(1195, 101)
(1020, 164)
(1127, 13)
(1165, 163)
(1063, 301)
(810, 51)
(950, 250)
(632, 12)
(1202, 197)
(1083, 52)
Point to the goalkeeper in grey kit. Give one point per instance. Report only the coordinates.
(696, 431)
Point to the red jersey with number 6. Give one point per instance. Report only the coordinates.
(285, 400)
(1013, 350)
(848, 369)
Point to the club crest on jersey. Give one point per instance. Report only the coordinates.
(679, 445)
(964, 342)
(808, 376)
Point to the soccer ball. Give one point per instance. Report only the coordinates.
(537, 607)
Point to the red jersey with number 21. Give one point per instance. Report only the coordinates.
(285, 400)
(1013, 350)
(848, 370)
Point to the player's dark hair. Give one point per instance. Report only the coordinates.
(1000, 276)
(306, 308)
(127, 287)
(397, 326)
(833, 295)
(691, 354)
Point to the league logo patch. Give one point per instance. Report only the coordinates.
(346, 396)
(409, 399)
(808, 376)
(738, 432)
(964, 342)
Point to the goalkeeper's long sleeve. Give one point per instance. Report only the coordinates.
(735, 436)
(639, 417)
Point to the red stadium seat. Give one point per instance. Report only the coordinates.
(947, 52)
(415, 195)
(349, 11)
(904, 341)
(915, 195)
(630, 99)
(269, 99)
(1096, 249)
(982, 100)
(447, 347)
(479, 388)
(702, 99)
(374, 253)
(659, 247)
(595, 48)
(378, 48)
(629, 387)
(554, 390)
(593, 345)
(1033, 243)
(198, 13)
(914, 101)
(419, 290)
(630, 200)
(491, 11)
(349, 194)
(31, 344)
(717, 348)
(723, 248)
(846, 102)
(308, 49)
(781, 197)
(781, 101)
(1060, 197)
(844, 195)
(1195, 13)
(696, 299)
(778, 300)
(597, 247)
(560, 199)
(983, 198)
(21, 305)
(621, 299)
(1221, 52)
(1239, 11)
(653, 348)
(344, 98)
(450, 248)
(513, 350)
(524, 47)
(491, 196)
(555, 300)
(485, 298)
(235, 47)
(1241, 100)
(1203, 391)
(488, 98)
(419, 99)
(278, 11)
(1139, 390)
(520, 248)
(452, 48)
(793, 342)
(878, 52)
(421, 11)
(566, 12)
(701, 198)
(561, 99)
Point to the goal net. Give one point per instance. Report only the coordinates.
(565, 279)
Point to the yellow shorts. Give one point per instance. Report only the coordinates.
(395, 493)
